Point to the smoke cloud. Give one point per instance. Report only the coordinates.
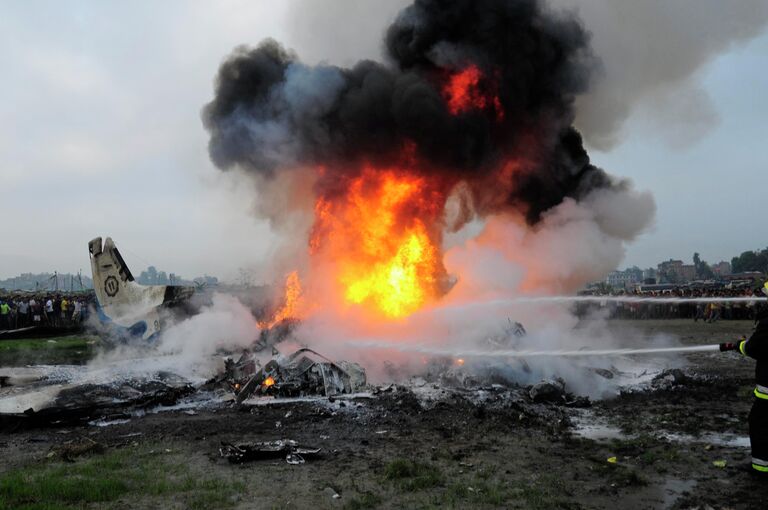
(652, 56)
(477, 102)
(272, 113)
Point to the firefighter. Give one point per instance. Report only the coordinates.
(756, 346)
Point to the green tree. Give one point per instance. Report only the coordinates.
(751, 261)
(702, 268)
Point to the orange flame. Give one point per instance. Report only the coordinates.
(290, 308)
(384, 254)
(465, 91)
(269, 381)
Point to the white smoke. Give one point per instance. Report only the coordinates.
(575, 243)
(193, 348)
(225, 326)
(397, 351)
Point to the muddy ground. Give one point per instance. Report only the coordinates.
(680, 443)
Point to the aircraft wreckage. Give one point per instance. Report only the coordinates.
(49, 399)
(305, 372)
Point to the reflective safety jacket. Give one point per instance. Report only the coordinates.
(756, 346)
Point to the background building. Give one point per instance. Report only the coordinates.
(722, 268)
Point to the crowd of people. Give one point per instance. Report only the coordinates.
(717, 307)
(53, 310)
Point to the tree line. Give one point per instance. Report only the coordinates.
(751, 261)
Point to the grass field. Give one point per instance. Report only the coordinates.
(76, 349)
(144, 476)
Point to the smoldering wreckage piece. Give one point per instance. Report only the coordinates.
(301, 374)
(84, 403)
(305, 372)
(293, 452)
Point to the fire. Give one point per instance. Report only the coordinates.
(467, 90)
(377, 237)
(290, 308)
(393, 284)
(377, 231)
(269, 381)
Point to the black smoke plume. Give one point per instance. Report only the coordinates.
(271, 113)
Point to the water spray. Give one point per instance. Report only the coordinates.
(512, 353)
(624, 299)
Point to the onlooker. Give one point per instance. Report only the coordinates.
(715, 305)
(35, 308)
(57, 310)
(5, 315)
(49, 316)
(76, 311)
(64, 310)
(23, 314)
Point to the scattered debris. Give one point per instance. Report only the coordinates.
(548, 391)
(287, 448)
(330, 491)
(305, 372)
(509, 337)
(275, 334)
(100, 404)
(602, 372)
(668, 379)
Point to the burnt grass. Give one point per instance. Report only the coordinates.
(392, 452)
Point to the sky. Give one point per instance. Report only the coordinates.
(101, 131)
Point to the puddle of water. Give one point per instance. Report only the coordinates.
(590, 427)
(601, 431)
(729, 440)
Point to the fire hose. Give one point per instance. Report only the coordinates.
(731, 346)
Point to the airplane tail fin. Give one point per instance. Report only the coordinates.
(121, 300)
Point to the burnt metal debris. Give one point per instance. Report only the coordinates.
(303, 373)
(78, 405)
(292, 451)
(275, 334)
